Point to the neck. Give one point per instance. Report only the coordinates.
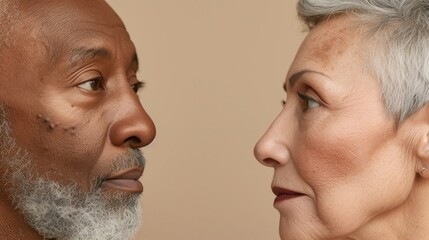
(13, 225)
(409, 221)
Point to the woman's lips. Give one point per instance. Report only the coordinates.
(126, 180)
(284, 194)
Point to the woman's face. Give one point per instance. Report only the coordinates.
(340, 164)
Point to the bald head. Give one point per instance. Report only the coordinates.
(9, 16)
(37, 34)
(52, 22)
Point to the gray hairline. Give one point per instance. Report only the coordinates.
(396, 35)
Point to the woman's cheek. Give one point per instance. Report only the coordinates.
(328, 155)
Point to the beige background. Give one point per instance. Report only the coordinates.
(214, 71)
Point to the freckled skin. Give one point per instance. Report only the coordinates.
(71, 134)
(357, 171)
(331, 42)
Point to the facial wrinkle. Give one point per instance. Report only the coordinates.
(65, 211)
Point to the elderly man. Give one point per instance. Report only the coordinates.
(71, 122)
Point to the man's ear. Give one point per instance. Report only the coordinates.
(421, 122)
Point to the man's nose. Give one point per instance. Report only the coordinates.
(272, 150)
(133, 126)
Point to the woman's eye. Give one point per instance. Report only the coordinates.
(91, 85)
(137, 86)
(312, 104)
(309, 102)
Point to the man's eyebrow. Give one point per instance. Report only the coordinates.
(80, 55)
(297, 76)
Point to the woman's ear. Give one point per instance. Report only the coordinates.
(423, 155)
(421, 121)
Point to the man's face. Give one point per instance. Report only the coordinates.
(68, 86)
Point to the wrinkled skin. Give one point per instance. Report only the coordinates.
(337, 147)
(68, 86)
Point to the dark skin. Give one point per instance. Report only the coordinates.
(69, 86)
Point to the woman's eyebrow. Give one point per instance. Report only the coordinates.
(135, 60)
(298, 75)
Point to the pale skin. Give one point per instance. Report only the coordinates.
(74, 105)
(334, 143)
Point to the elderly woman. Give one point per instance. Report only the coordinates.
(350, 149)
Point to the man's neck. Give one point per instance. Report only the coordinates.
(13, 225)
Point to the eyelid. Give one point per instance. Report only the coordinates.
(306, 99)
(98, 80)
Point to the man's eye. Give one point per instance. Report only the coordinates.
(137, 86)
(91, 85)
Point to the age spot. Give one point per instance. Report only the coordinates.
(70, 130)
(47, 122)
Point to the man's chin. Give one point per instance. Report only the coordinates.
(64, 212)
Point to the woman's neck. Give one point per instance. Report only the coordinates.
(408, 221)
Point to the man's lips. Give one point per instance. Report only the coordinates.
(126, 180)
(284, 194)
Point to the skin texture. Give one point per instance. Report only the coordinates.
(71, 125)
(355, 168)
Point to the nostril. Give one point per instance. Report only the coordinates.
(271, 152)
(133, 141)
(269, 162)
(132, 127)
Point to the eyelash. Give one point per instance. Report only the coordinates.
(306, 99)
(137, 86)
(98, 81)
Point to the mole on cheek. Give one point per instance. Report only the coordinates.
(71, 130)
(50, 125)
(47, 122)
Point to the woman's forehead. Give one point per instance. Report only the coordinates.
(327, 44)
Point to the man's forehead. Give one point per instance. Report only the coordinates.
(69, 12)
(64, 26)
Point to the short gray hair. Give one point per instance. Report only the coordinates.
(399, 53)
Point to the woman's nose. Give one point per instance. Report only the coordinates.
(271, 150)
(133, 126)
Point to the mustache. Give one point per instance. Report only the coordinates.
(132, 158)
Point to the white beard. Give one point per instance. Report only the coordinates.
(64, 212)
